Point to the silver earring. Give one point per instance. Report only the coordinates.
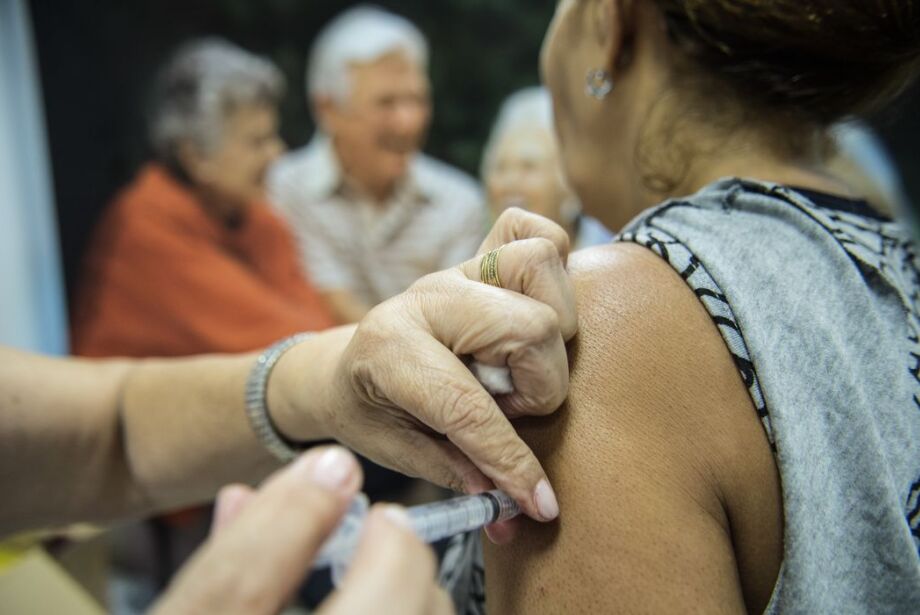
(598, 84)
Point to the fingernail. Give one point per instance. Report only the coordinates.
(397, 515)
(545, 500)
(331, 469)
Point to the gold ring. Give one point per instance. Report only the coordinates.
(488, 268)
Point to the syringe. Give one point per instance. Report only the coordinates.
(431, 522)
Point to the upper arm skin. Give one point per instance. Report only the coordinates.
(669, 494)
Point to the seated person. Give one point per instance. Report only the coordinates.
(521, 168)
(372, 213)
(743, 430)
(188, 259)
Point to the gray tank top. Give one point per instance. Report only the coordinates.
(817, 299)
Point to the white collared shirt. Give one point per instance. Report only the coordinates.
(434, 220)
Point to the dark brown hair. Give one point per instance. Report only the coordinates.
(820, 60)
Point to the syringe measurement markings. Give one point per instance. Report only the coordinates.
(431, 522)
(444, 519)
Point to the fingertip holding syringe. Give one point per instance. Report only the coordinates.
(430, 522)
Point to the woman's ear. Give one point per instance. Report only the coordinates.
(614, 28)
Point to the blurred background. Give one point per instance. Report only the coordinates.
(75, 78)
(96, 59)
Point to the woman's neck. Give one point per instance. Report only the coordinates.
(788, 173)
(749, 155)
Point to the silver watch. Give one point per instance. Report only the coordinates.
(256, 406)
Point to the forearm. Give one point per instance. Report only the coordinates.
(96, 441)
(54, 455)
(185, 432)
(197, 406)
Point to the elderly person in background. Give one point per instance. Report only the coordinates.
(189, 260)
(371, 212)
(521, 168)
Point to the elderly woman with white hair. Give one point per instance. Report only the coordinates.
(188, 259)
(521, 168)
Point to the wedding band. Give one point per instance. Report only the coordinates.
(488, 268)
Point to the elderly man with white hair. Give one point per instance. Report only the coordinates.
(371, 212)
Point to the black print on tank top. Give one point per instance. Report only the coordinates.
(870, 244)
(913, 512)
(713, 299)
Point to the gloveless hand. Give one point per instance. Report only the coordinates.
(263, 543)
(405, 397)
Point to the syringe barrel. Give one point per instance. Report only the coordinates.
(438, 520)
(431, 522)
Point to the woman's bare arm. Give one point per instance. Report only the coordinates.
(97, 440)
(669, 494)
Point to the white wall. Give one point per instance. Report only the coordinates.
(32, 304)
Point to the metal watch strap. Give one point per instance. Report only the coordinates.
(256, 405)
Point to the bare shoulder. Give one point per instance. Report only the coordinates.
(668, 490)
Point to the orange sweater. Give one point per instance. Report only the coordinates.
(163, 278)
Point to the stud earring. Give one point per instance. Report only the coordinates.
(598, 84)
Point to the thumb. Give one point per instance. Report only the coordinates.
(256, 562)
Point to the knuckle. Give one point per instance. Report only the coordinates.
(369, 338)
(367, 362)
(530, 225)
(432, 284)
(542, 252)
(511, 216)
(537, 403)
(541, 323)
(425, 284)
